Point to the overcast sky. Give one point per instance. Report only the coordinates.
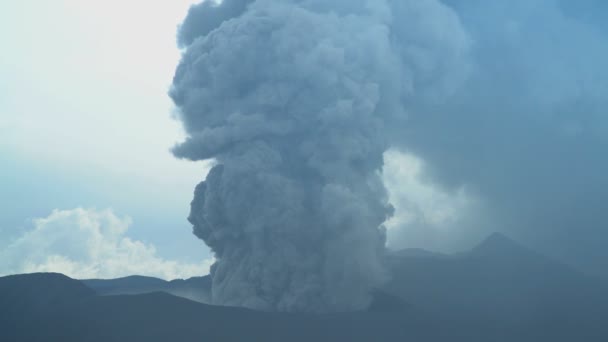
(86, 129)
(78, 78)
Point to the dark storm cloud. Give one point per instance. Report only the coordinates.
(528, 131)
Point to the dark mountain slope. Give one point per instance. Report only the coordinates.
(499, 291)
(127, 285)
(29, 301)
(506, 285)
(198, 289)
(161, 317)
(82, 316)
(195, 288)
(21, 293)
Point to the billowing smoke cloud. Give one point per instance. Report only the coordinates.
(528, 131)
(293, 99)
(297, 101)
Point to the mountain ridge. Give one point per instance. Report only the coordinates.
(497, 291)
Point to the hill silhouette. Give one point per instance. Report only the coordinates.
(159, 316)
(498, 291)
(501, 283)
(195, 288)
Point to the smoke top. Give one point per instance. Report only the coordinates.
(297, 102)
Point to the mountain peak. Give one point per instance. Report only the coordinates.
(415, 252)
(497, 244)
(498, 237)
(47, 284)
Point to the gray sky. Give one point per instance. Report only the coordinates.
(78, 79)
(86, 127)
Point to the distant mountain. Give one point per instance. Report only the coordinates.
(415, 252)
(23, 294)
(498, 245)
(127, 285)
(83, 316)
(198, 289)
(27, 302)
(503, 283)
(195, 288)
(499, 291)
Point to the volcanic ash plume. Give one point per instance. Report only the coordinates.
(291, 98)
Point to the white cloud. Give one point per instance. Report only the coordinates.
(426, 216)
(86, 243)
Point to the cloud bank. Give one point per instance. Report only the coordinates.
(86, 243)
